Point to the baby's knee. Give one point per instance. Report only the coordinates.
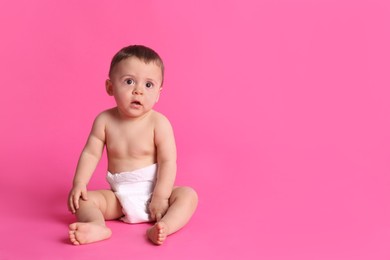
(188, 193)
(95, 197)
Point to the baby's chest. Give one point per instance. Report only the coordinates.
(133, 141)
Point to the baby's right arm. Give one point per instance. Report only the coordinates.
(88, 161)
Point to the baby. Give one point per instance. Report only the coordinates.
(141, 155)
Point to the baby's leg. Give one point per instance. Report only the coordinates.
(101, 205)
(183, 202)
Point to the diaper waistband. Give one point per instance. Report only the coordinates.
(140, 175)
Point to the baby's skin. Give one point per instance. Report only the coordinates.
(135, 136)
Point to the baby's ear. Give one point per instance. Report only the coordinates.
(159, 93)
(109, 87)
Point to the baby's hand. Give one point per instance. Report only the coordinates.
(78, 190)
(158, 207)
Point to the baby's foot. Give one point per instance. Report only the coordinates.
(158, 233)
(84, 233)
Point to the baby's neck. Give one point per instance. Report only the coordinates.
(124, 117)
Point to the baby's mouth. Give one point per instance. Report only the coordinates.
(136, 104)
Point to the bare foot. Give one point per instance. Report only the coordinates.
(84, 233)
(158, 233)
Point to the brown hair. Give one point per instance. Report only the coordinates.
(141, 52)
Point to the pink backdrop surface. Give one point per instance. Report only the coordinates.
(280, 109)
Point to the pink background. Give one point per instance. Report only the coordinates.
(280, 109)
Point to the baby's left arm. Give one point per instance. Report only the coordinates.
(166, 174)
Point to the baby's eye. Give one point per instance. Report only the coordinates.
(149, 85)
(129, 81)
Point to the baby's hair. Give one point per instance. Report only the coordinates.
(141, 52)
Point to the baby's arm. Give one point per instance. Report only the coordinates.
(166, 159)
(88, 161)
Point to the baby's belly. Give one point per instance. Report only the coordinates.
(117, 165)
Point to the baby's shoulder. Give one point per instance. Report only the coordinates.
(105, 116)
(161, 123)
(159, 118)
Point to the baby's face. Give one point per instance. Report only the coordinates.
(135, 85)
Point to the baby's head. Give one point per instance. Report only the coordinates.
(135, 80)
(141, 52)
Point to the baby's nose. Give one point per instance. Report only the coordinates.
(137, 91)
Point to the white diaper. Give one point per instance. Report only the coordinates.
(134, 191)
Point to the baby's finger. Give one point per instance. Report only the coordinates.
(158, 216)
(152, 216)
(70, 205)
(84, 195)
(75, 201)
